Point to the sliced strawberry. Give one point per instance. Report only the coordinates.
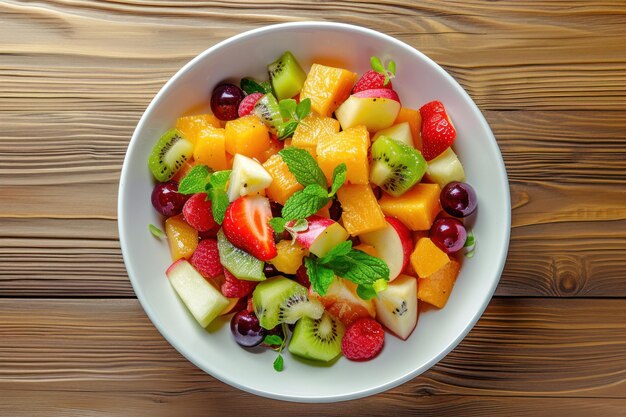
(246, 225)
(371, 80)
(234, 287)
(197, 212)
(363, 340)
(433, 107)
(247, 104)
(438, 134)
(206, 259)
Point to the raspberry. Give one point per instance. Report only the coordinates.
(206, 259)
(247, 104)
(197, 212)
(363, 340)
(234, 287)
(433, 107)
(371, 80)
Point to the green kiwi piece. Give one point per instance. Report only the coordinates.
(169, 154)
(396, 167)
(268, 111)
(239, 262)
(286, 75)
(317, 339)
(282, 300)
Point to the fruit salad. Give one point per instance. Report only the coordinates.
(314, 209)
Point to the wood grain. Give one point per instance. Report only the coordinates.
(520, 348)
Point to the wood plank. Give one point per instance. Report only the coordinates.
(521, 347)
(518, 55)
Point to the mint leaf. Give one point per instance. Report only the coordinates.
(392, 67)
(303, 166)
(365, 292)
(339, 177)
(377, 65)
(320, 276)
(249, 86)
(156, 232)
(219, 204)
(305, 203)
(299, 226)
(388, 72)
(278, 224)
(286, 129)
(278, 363)
(219, 179)
(341, 249)
(273, 339)
(471, 240)
(195, 181)
(359, 267)
(287, 108)
(303, 109)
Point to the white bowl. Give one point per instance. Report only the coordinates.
(419, 80)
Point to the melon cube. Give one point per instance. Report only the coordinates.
(351, 147)
(192, 126)
(435, 289)
(445, 168)
(284, 183)
(288, 256)
(427, 258)
(414, 118)
(361, 212)
(311, 129)
(182, 238)
(210, 148)
(247, 136)
(327, 87)
(416, 208)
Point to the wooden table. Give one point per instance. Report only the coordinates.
(75, 76)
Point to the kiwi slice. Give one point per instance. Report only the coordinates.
(240, 263)
(396, 167)
(268, 111)
(317, 339)
(281, 300)
(286, 75)
(169, 154)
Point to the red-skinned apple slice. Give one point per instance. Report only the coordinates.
(322, 235)
(393, 244)
(396, 306)
(375, 109)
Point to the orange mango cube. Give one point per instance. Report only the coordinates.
(181, 237)
(289, 256)
(361, 212)
(427, 258)
(435, 289)
(247, 136)
(327, 88)
(351, 147)
(417, 208)
(284, 183)
(210, 148)
(311, 129)
(192, 126)
(414, 118)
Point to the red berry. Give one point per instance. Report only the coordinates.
(433, 107)
(371, 80)
(363, 340)
(303, 277)
(234, 287)
(438, 134)
(247, 104)
(197, 212)
(246, 225)
(206, 259)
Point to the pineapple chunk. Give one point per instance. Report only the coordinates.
(289, 257)
(351, 147)
(210, 148)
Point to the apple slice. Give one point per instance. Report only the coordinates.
(248, 177)
(445, 168)
(375, 109)
(393, 244)
(322, 235)
(342, 302)
(202, 299)
(396, 307)
(400, 132)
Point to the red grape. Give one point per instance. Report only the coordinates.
(246, 329)
(167, 200)
(225, 101)
(448, 234)
(458, 199)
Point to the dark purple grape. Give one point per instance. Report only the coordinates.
(246, 329)
(335, 210)
(167, 200)
(270, 270)
(225, 101)
(448, 234)
(458, 199)
(277, 209)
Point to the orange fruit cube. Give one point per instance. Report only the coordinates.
(361, 212)
(351, 147)
(247, 136)
(414, 118)
(325, 211)
(311, 129)
(289, 257)
(181, 237)
(435, 289)
(210, 148)
(327, 87)
(416, 208)
(275, 147)
(369, 249)
(427, 258)
(191, 126)
(284, 183)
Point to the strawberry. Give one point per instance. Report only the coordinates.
(371, 80)
(234, 287)
(197, 212)
(438, 134)
(246, 225)
(430, 108)
(363, 340)
(247, 104)
(206, 259)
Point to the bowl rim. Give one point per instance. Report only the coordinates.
(348, 395)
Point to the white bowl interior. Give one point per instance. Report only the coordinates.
(419, 80)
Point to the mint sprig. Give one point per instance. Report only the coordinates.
(302, 165)
(292, 114)
(389, 72)
(470, 244)
(195, 181)
(156, 232)
(201, 179)
(273, 340)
